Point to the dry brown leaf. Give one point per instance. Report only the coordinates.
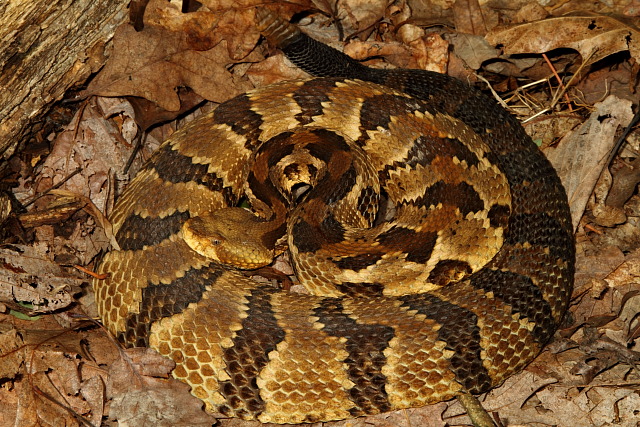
(601, 82)
(549, 129)
(233, 22)
(361, 15)
(148, 114)
(468, 17)
(92, 391)
(596, 266)
(138, 399)
(11, 354)
(96, 143)
(153, 63)
(177, 49)
(427, 52)
(506, 399)
(580, 157)
(27, 275)
(51, 390)
(623, 279)
(274, 69)
(531, 12)
(473, 50)
(8, 406)
(236, 22)
(592, 406)
(594, 36)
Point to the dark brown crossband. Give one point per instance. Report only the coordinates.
(310, 97)
(522, 295)
(238, 114)
(461, 195)
(365, 345)
(159, 301)
(136, 232)
(249, 354)
(174, 167)
(394, 105)
(459, 329)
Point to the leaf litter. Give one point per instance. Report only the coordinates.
(59, 367)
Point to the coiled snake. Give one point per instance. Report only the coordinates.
(432, 235)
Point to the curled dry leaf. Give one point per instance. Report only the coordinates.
(578, 171)
(236, 21)
(593, 36)
(272, 70)
(93, 145)
(427, 52)
(468, 17)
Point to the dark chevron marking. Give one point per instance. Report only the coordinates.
(371, 113)
(338, 190)
(418, 246)
(461, 195)
(363, 289)
(447, 271)
(522, 295)
(358, 262)
(365, 345)
(367, 199)
(137, 232)
(176, 168)
(161, 301)
(539, 229)
(309, 239)
(276, 148)
(237, 114)
(499, 215)
(304, 237)
(310, 97)
(329, 143)
(459, 329)
(260, 334)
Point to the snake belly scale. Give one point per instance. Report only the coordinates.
(432, 235)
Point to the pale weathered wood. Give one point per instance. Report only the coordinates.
(47, 47)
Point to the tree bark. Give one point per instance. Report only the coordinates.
(46, 48)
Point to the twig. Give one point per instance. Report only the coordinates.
(53, 187)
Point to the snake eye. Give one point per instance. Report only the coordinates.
(215, 242)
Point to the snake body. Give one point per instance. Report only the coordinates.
(435, 243)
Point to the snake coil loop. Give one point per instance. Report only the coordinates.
(434, 239)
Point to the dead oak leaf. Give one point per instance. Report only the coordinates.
(205, 29)
(152, 63)
(237, 23)
(139, 397)
(593, 36)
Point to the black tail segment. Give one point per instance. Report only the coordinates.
(304, 51)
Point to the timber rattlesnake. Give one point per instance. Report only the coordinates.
(435, 241)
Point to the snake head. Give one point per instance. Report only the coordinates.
(231, 236)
